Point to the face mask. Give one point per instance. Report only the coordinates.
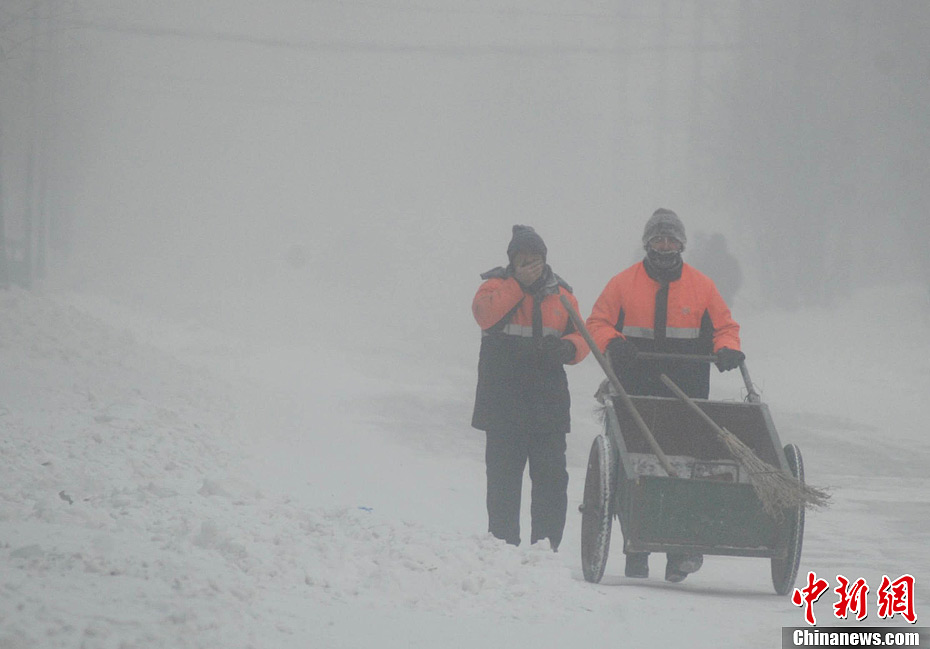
(664, 260)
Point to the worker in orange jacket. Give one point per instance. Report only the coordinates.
(662, 304)
(522, 399)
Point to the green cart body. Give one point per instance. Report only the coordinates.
(709, 507)
(707, 515)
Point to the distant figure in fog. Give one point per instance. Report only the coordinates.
(711, 256)
(522, 400)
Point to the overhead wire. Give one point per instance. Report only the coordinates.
(544, 49)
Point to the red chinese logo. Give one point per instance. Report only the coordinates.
(808, 595)
(894, 597)
(897, 597)
(852, 598)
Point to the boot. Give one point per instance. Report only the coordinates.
(637, 565)
(679, 566)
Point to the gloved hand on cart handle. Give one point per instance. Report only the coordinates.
(729, 359)
(621, 351)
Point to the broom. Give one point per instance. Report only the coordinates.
(777, 490)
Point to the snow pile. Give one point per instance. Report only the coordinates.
(125, 519)
(105, 444)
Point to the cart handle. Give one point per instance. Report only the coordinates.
(661, 356)
(751, 395)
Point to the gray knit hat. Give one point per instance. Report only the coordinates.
(525, 239)
(664, 223)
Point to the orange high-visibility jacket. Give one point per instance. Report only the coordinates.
(518, 386)
(697, 321)
(497, 297)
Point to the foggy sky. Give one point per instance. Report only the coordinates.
(338, 168)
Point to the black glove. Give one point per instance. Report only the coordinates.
(557, 350)
(621, 352)
(728, 359)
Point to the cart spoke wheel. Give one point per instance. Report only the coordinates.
(597, 509)
(791, 533)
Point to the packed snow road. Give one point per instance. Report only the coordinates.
(162, 485)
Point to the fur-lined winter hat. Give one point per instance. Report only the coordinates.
(525, 239)
(664, 223)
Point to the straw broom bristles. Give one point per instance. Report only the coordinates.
(777, 490)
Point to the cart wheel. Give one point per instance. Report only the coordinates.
(597, 509)
(785, 565)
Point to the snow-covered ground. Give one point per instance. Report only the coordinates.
(163, 484)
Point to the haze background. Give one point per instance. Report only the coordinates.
(360, 162)
(308, 191)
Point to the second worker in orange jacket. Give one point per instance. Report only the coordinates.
(662, 304)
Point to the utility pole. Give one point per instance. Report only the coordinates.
(44, 138)
(57, 219)
(29, 201)
(660, 120)
(696, 122)
(4, 266)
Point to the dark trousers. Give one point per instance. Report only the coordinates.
(506, 455)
